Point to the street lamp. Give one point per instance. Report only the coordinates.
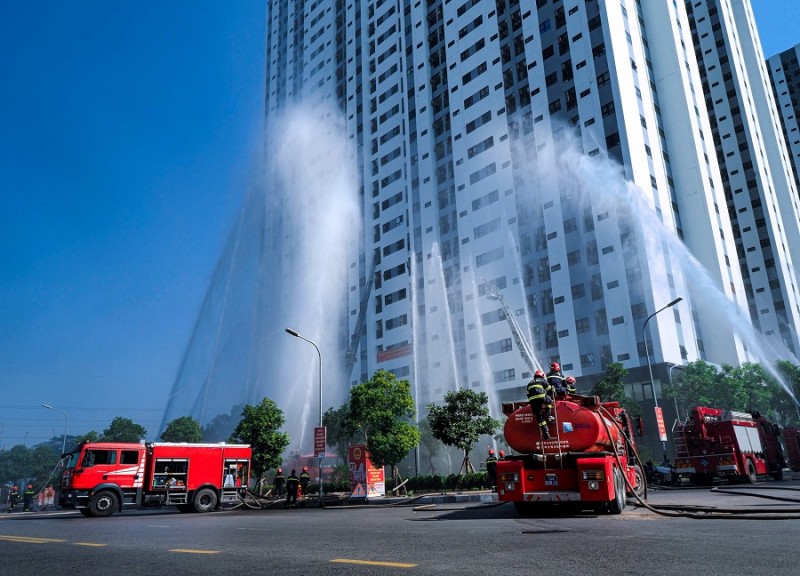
(64, 443)
(297, 335)
(649, 365)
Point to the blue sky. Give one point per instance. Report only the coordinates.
(129, 134)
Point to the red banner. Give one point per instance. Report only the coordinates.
(319, 441)
(662, 430)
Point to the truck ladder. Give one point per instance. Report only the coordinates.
(679, 440)
(355, 339)
(492, 293)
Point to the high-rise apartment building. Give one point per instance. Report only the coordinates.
(784, 73)
(552, 172)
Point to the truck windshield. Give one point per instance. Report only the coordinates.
(72, 459)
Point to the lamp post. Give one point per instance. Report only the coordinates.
(297, 335)
(66, 419)
(650, 366)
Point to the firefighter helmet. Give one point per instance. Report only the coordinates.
(502, 454)
(538, 374)
(305, 468)
(280, 471)
(491, 452)
(555, 366)
(570, 380)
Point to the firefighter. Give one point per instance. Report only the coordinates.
(501, 456)
(13, 498)
(569, 384)
(278, 483)
(541, 403)
(491, 469)
(305, 478)
(555, 377)
(27, 498)
(292, 485)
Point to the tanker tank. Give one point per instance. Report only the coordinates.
(579, 422)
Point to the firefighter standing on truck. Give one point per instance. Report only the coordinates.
(540, 402)
(555, 377)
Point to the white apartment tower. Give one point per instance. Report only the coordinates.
(551, 172)
(784, 73)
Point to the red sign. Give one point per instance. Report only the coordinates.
(399, 352)
(662, 430)
(365, 479)
(319, 441)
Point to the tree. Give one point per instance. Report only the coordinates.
(381, 408)
(461, 421)
(183, 429)
(260, 427)
(610, 388)
(123, 430)
(432, 445)
(340, 430)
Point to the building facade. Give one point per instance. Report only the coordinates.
(784, 74)
(539, 180)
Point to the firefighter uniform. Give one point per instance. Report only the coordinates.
(27, 498)
(13, 498)
(556, 378)
(292, 484)
(305, 478)
(569, 385)
(278, 483)
(540, 401)
(491, 468)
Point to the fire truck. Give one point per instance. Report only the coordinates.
(791, 438)
(101, 478)
(588, 462)
(713, 443)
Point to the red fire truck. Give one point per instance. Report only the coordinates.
(791, 438)
(588, 462)
(103, 477)
(723, 444)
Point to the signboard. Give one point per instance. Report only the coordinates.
(365, 480)
(662, 430)
(319, 441)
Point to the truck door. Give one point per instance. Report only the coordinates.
(107, 464)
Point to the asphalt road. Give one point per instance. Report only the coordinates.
(459, 539)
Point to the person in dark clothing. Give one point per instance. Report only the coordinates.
(540, 401)
(491, 469)
(292, 484)
(305, 478)
(27, 498)
(569, 384)
(278, 483)
(13, 498)
(555, 377)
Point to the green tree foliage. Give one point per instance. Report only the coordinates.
(37, 464)
(259, 428)
(610, 388)
(462, 420)
(340, 430)
(381, 408)
(123, 430)
(183, 429)
(431, 444)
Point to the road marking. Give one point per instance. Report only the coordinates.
(90, 544)
(373, 563)
(190, 551)
(28, 539)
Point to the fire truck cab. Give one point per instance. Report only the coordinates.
(103, 477)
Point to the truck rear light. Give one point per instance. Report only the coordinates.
(593, 475)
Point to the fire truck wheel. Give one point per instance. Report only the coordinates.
(639, 482)
(752, 476)
(103, 504)
(205, 500)
(617, 505)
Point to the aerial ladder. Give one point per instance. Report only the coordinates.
(355, 339)
(492, 293)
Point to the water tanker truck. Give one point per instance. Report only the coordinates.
(589, 461)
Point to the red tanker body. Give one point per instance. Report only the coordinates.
(589, 460)
(103, 477)
(791, 437)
